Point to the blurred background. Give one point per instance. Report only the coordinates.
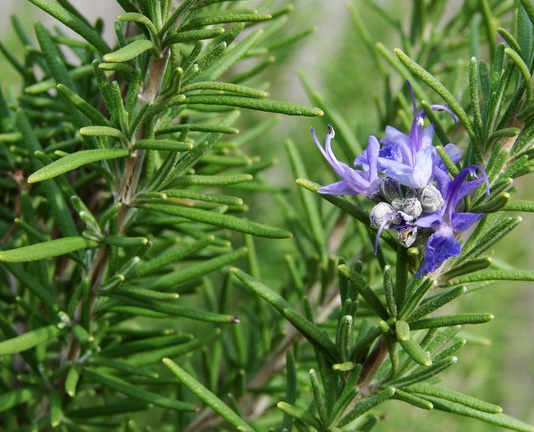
(336, 64)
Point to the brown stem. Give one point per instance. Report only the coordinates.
(125, 195)
(134, 164)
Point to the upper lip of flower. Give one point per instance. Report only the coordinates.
(364, 181)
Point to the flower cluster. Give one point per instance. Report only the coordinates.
(412, 188)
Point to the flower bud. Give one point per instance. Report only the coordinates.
(412, 207)
(431, 199)
(390, 189)
(380, 213)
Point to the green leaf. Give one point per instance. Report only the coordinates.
(223, 64)
(434, 303)
(17, 397)
(29, 339)
(73, 161)
(205, 180)
(309, 202)
(33, 284)
(47, 249)
(193, 35)
(57, 11)
(155, 354)
(225, 19)
(350, 208)
(71, 382)
(412, 399)
(268, 105)
(466, 267)
(162, 145)
(520, 205)
(425, 372)
(137, 392)
(125, 242)
(85, 108)
(365, 291)
(451, 320)
(221, 220)
(454, 396)
(524, 69)
(141, 19)
(145, 344)
(439, 88)
(170, 257)
(197, 127)
(197, 270)
(494, 275)
(226, 87)
(170, 309)
(102, 131)
(122, 366)
(300, 414)
(418, 290)
(496, 419)
(317, 396)
(207, 396)
(412, 348)
(313, 333)
(344, 337)
(366, 405)
(128, 52)
(389, 291)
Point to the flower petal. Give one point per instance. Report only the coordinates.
(441, 246)
(463, 221)
(338, 188)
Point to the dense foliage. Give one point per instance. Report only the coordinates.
(142, 234)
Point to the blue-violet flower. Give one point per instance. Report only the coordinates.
(411, 186)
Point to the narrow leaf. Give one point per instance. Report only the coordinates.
(366, 405)
(451, 320)
(73, 161)
(268, 105)
(47, 249)
(300, 414)
(85, 108)
(29, 339)
(365, 291)
(496, 419)
(434, 303)
(17, 397)
(221, 65)
(197, 270)
(412, 399)
(162, 145)
(137, 392)
(439, 88)
(207, 396)
(454, 396)
(221, 220)
(102, 131)
(128, 52)
(193, 35)
(313, 333)
(57, 11)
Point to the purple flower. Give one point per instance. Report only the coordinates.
(353, 182)
(447, 222)
(410, 159)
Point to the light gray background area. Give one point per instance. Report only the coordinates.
(92, 9)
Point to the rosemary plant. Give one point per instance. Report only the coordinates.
(137, 290)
